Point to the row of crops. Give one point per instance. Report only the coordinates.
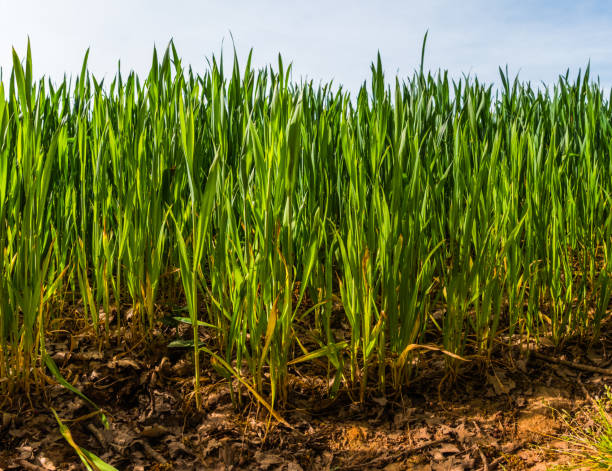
(303, 227)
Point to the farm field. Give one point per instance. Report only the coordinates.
(236, 270)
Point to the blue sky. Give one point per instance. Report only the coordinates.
(324, 39)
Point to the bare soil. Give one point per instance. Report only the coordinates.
(502, 414)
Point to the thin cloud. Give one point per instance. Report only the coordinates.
(324, 40)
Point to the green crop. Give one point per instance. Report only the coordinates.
(302, 227)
